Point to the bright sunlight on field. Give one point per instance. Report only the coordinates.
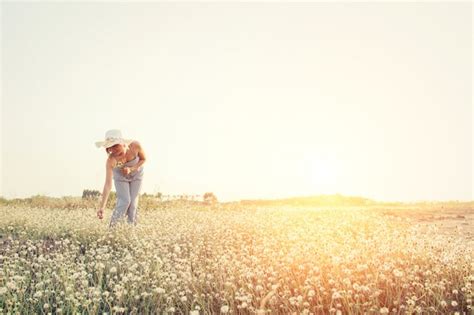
(239, 259)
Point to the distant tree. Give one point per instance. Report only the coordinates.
(87, 193)
(209, 198)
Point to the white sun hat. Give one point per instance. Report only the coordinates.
(113, 137)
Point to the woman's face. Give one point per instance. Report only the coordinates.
(116, 150)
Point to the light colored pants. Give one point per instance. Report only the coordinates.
(127, 192)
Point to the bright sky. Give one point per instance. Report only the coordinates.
(247, 100)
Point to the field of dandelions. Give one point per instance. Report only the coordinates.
(231, 260)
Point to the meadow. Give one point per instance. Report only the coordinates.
(237, 258)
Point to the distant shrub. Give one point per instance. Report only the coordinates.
(209, 198)
(90, 194)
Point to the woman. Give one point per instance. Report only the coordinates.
(125, 165)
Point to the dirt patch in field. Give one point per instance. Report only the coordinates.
(452, 221)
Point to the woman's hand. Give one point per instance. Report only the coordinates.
(127, 170)
(100, 213)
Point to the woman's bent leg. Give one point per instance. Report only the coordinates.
(135, 187)
(123, 201)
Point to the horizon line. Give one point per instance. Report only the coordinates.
(274, 198)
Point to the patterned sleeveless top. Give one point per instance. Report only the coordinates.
(137, 174)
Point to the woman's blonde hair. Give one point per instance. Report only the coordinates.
(127, 146)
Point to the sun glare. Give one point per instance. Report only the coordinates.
(322, 175)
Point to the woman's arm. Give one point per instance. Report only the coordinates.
(141, 156)
(107, 187)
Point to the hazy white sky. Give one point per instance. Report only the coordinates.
(248, 100)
